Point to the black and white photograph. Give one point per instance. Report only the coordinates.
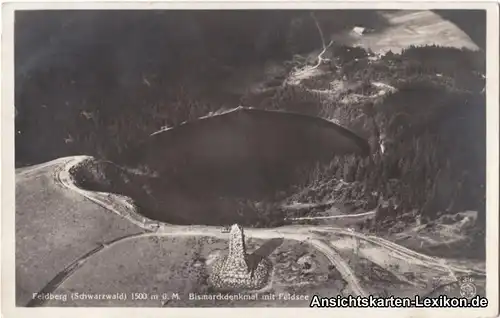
(298, 157)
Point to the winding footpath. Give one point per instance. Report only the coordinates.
(316, 236)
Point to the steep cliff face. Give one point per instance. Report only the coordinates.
(99, 83)
(82, 72)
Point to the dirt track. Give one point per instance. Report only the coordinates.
(325, 239)
(87, 223)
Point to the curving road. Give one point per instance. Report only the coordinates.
(316, 236)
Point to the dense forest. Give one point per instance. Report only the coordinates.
(98, 83)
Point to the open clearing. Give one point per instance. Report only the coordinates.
(74, 239)
(119, 257)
